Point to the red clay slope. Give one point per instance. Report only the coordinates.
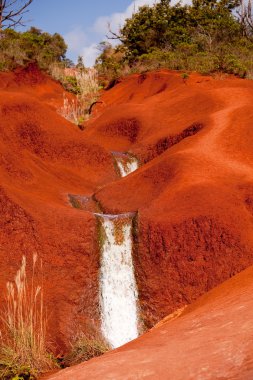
(43, 158)
(193, 194)
(211, 339)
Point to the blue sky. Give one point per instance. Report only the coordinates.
(82, 23)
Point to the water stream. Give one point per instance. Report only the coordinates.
(118, 289)
(118, 294)
(126, 163)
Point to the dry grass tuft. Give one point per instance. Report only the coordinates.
(84, 348)
(84, 84)
(72, 110)
(23, 351)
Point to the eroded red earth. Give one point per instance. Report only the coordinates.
(212, 339)
(193, 194)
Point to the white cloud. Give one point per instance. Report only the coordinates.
(76, 39)
(116, 20)
(89, 54)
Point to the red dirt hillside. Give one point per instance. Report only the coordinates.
(43, 158)
(210, 339)
(194, 190)
(193, 193)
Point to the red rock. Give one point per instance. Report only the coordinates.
(211, 339)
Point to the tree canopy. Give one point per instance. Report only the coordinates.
(165, 27)
(207, 36)
(17, 48)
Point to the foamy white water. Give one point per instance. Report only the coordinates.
(126, 163)
(118, 290)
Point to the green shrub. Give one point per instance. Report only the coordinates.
(204, 63)
(185, 76)
(18, 49)
(15, 372)
(233, 65)
(70, 84)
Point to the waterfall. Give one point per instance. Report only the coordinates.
(126, 163)
(118, 289)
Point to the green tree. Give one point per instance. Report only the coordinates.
(164, 26)
(17, 49)
(80, 63)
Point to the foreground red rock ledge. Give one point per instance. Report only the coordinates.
(211, 339)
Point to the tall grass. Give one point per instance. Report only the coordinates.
(88, 82)
(85, 347)
(84, 84)
(23, 351)
(72, 110)
(56, 71)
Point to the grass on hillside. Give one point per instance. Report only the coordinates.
(85, 347)
(84, 84)
(23, 350)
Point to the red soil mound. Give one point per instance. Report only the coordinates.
(43, 158)
(211, 339)
(194, 191)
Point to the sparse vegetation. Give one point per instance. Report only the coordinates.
(23, 348)
(83, 83)
(87, 81)
(72, 110)
(85, 347)
(185, 76)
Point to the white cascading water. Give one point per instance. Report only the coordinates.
(126, 163)
(118, 289)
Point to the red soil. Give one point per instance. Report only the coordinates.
(42, 159)
(211, 339)
(193, 194)
(194, 199)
